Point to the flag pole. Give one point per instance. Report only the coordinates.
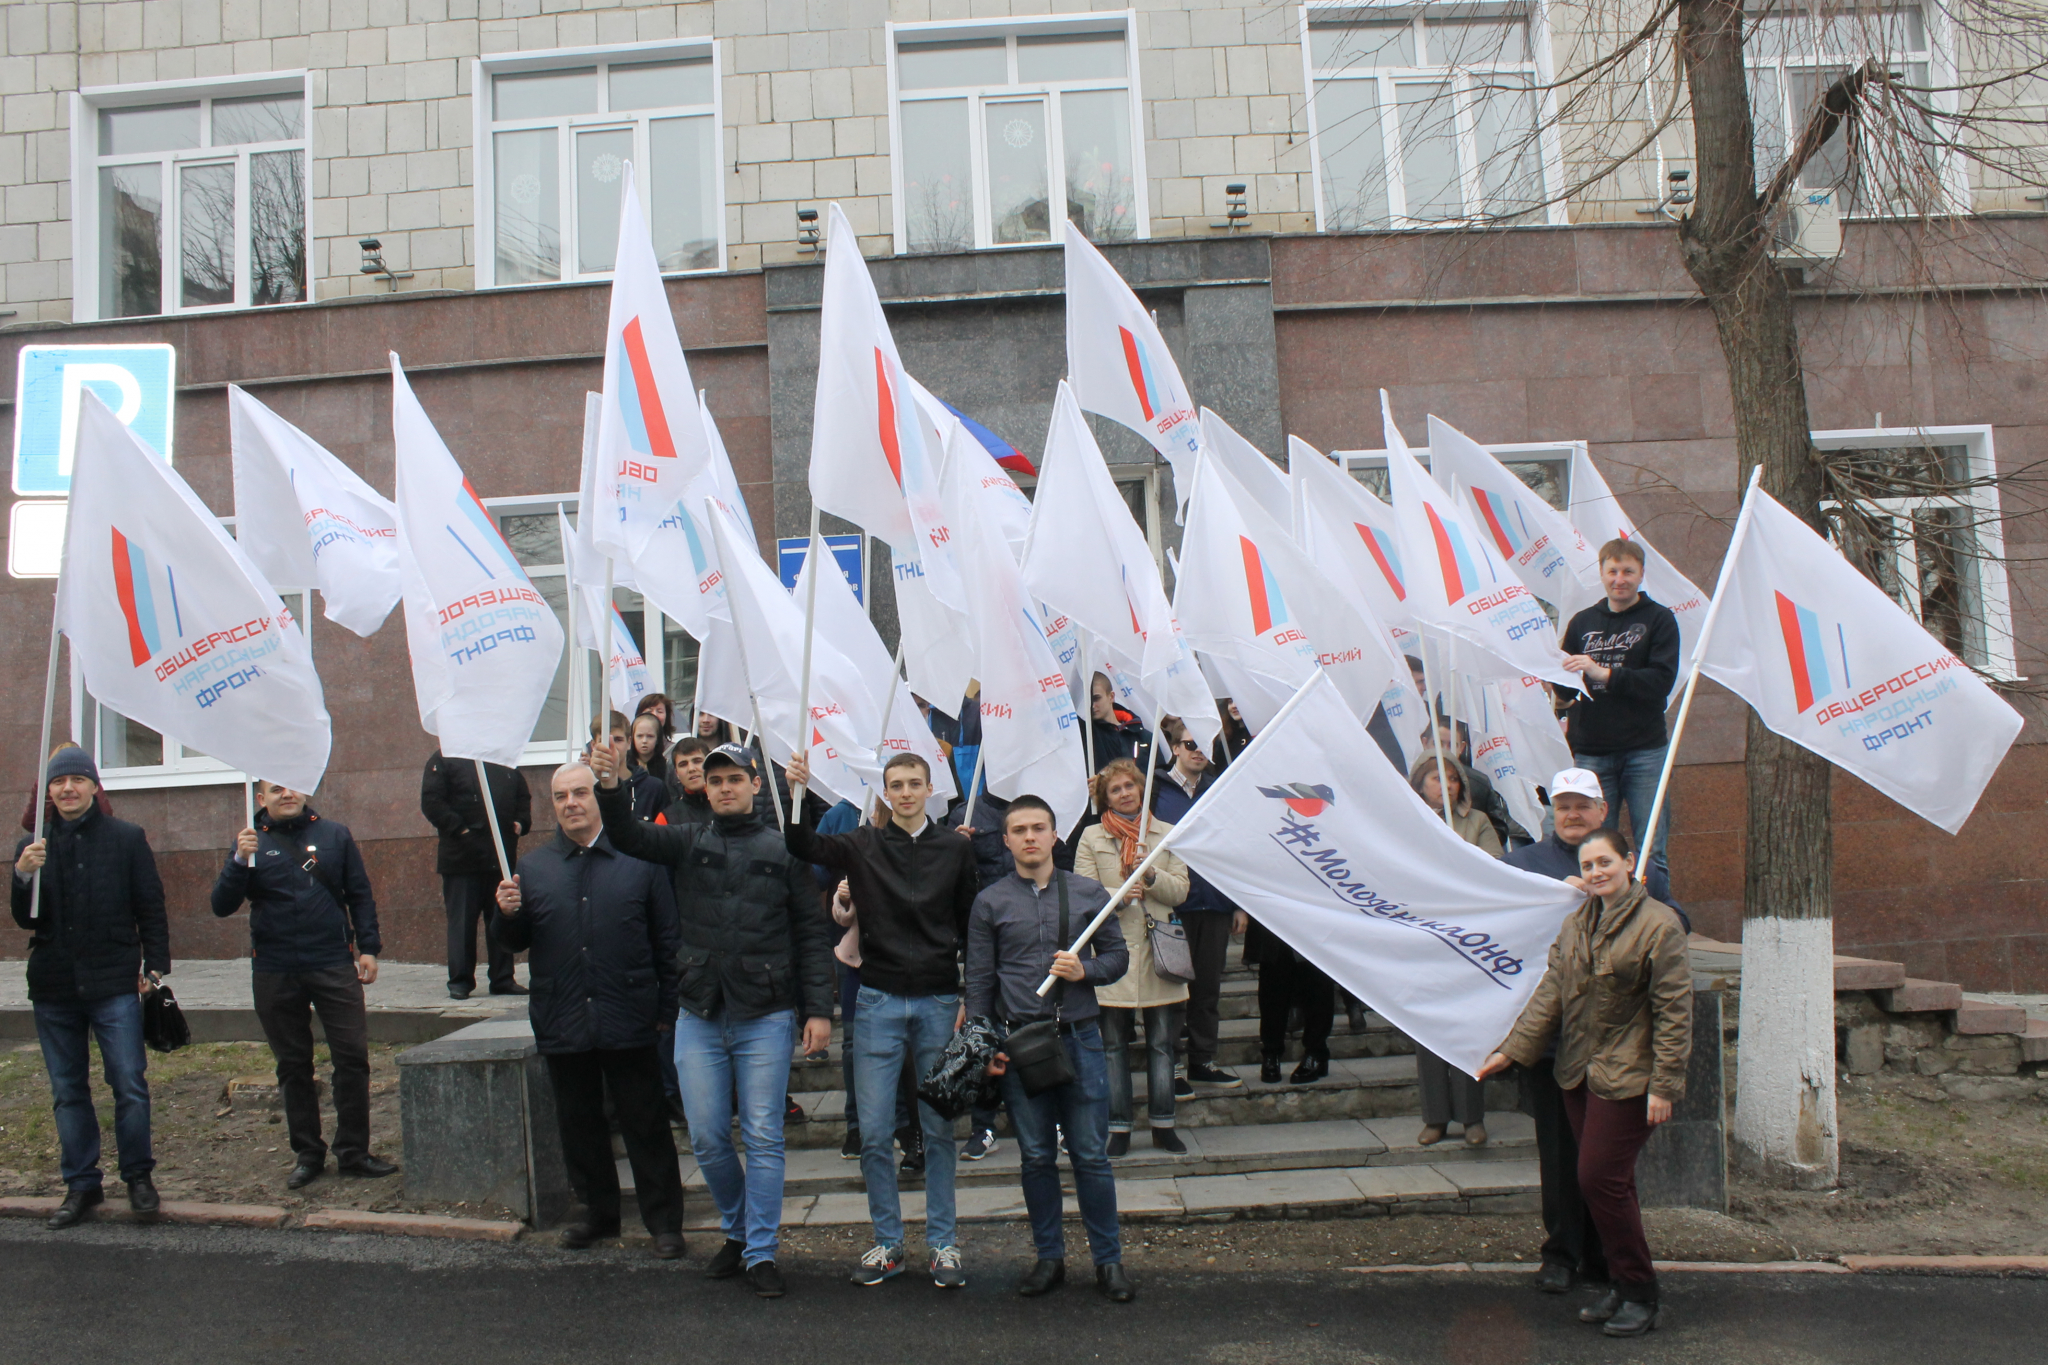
(803, 706)
(889, 704)
(569, 698)
(740, 641)
(603, 631)
(774, 795)
(974, 783)
(1443, 787)
(42, 798)
(1088, 725)
(1187, 821)
(483, 782)
(1648, 835)
(249, 808)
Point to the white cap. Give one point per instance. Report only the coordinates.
(1577, 781)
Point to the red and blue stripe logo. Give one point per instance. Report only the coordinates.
(1269, 607)
(1139, 362)
(639, 400)
(1453, 556)
(891, 417)
(1806, 653)
(1504, 521)
(1381, 546)
(138, 599)
(482, 530)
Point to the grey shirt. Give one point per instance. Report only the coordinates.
(1012, 933)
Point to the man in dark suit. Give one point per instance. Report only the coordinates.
(468, 861)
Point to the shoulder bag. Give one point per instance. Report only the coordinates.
(1037, 1052)
(163, 1023)
(1171, 957)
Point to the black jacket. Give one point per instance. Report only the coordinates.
(102, 920)
(454, 805)
(1171, 803)
(1551, 856)
(601, 928)
(301, 918)
(1627, 711)
(912, 896)
(650, 794)
(754, 938)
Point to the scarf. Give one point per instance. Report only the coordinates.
(1125, 831)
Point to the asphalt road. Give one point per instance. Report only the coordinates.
(169, 1295)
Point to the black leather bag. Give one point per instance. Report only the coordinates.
(163, 1023)
(1038, 1054)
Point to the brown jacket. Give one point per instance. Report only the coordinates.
(1618, 997)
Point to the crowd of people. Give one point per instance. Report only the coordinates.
(691, 929)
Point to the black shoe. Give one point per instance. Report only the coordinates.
(1202, 1073)
(1554, 1278)
(143, 1198)
(1602, 1308)
(766, 1279)
(1042, 1278)
(1355, 1015)
(1182, 1088)
(1119, 1143)
(1632, 1319)
(510, 988)
(305, 1173)
(368, 1167)
(1313, 1068)
(1166, 1140)
(1114, 1284)
(792, 1112)
(849, 1146)
(77, 1203)
(580, 1236)
(668, 1246)
(1269, 1068)
(458, 991)
(727, 1263)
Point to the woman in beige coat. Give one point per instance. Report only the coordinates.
(1108, 852)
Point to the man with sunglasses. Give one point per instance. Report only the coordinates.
(1207, 914)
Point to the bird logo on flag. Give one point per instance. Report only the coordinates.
(1301, 798)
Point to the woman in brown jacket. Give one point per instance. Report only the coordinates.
(1618, 998)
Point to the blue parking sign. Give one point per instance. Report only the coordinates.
(135, 381)
(791, 552)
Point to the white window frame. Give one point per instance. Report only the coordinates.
(512, 63)
(1124, 21)
(86, 162)
(1994, 590)
(1539, 67)
(1558, 453)
(1147, 477)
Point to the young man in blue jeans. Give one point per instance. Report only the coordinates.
(912, 883)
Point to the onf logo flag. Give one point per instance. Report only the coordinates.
(172, 624)
(1832, 663)
(1327, 847)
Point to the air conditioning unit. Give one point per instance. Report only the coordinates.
(1810, 228)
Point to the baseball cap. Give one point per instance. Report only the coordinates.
(1578, 782)
(738, 757)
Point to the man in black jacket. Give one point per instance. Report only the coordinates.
(1209, 917)
(99, 934)
(1626, 649)
(468, 861)
(756, 963)
(602, 929)
(913, 883)
(313, 932)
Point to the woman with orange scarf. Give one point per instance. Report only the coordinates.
(1108, 852)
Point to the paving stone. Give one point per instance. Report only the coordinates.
(1476, 1178)
(414, 1225)
(1920, 997)
(1978, 1017)
(1401, 1184)
(1349, 1137)
(1265, 1191)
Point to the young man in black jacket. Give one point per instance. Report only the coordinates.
(99, 934)
(468, 861)
(913, 882)
(313, 932)
(602, 930)
(756, 964)
(1626, 649)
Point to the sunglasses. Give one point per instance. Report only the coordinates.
(1189, 745)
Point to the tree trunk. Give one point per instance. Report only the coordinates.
(1785, 1090)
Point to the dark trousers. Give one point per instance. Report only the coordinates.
(1610, 1134)
(633, 1076)
(1209, 944)
(286, 1003)
(1290, 982)
(468, 899)
(1448, 1094)
(1570, 1238)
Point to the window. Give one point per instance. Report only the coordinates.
(1919, 515)
(191, 202)
(994, 127)
(1545, 467)
(1795, 56)
(1427, 114)
(555, 132)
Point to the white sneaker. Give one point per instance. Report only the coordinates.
(946, 1270)
(980, 1143)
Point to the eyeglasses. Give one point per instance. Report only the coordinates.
(1189, 745)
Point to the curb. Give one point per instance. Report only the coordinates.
(2027, 1266)
(1947, 1265)
(413, 1225)
(174, 1211)
(271, 1217)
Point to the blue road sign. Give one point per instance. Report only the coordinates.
(845, 550)
(135, 381)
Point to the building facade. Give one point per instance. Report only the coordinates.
(287, 190)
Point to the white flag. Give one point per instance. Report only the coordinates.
(1598, 513)
(171, 623)
(1457, 581)
(1119, 365)
(650, 440)
(1257, 475)
(1008, 510)
(874, 454)
(485, 645)
(1533, 538)
(307, 520)
(1355, 535)
(585, 548)
(1833, 664)
(625, 664)
(1514, 772)
(1328, 847)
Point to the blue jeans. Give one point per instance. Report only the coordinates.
(1081, 1109)
(891, 1028)
(1162, 1030)
(1630, 778)
(715, 1057)
(849, 1011)
(62, 1027)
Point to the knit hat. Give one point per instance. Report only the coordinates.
(72, 761)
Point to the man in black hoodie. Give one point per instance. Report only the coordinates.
(313, 932)
(468, 861)
(1626, 649)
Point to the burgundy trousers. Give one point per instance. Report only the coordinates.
(1610, 1133)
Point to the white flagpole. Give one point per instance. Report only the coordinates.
(483, 782)
(740, 640)
(249, 808)
(35, 894)
(602, 629)
(569, 707)
(974, 783)
(774, 796)
(1443, 788)
(803, 706)
(1648, 834)
(1088, 726)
